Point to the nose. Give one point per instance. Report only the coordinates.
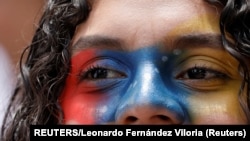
(151, 100)
(149, 115)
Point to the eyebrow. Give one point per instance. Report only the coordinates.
(180, 42)
(198, 40)
(98, 41)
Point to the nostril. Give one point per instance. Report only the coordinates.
(131, 119)
(149, 114)
(163, 117)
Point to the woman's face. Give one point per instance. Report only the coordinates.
(151, 62)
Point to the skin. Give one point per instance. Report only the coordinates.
(134, 62)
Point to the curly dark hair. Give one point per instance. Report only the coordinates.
(45, 63)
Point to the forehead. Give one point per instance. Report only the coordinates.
(142, 22)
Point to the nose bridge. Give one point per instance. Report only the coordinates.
(148, 85)
(149, 90)
(146, 80)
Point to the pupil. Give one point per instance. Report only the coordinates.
(99, 73)
(196, 73)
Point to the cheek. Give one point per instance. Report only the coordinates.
(78, 107)
(216, 108)
(86, 108)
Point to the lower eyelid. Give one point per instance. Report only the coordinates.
(202, 85)
(99, 86)
(205, 84)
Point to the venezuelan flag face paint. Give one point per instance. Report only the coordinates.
(145, 64)
(107, 83)
(104, 85)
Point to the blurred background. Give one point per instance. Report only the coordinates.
(18, 22)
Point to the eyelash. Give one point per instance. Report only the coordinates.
(199, 76)
(109, 73)
(216, 74)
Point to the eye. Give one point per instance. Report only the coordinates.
(102, 75)
(96, 73)
(201, 73)
(202, 78)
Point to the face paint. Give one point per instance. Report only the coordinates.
(153, 84)
(123, 80)
(76, 112)
(198, 86)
